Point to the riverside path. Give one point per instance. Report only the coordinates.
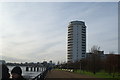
(65, 75)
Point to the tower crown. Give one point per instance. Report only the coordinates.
(77, 23)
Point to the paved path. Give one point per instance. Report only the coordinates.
(65, 74)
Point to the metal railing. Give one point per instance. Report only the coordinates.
(41, 76)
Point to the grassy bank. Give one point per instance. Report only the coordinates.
(100, 74)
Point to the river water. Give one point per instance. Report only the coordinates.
(27, 74)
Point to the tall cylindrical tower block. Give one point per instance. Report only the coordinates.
(76, 47)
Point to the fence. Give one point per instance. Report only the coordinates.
(41, 76)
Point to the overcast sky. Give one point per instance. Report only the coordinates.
(35, 32)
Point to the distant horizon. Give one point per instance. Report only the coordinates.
(38, 31)
(41, 61)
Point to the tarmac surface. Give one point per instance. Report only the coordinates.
(65, 75)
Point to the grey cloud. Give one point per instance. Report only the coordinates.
(46, 47)
(36, 29)
(11, 59)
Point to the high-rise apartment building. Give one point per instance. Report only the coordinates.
(76, 41)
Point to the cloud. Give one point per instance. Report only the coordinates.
(38, 31)
(11, 59)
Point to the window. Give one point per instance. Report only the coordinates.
(83, 47)
(83, 50)
(83, 55)
(77, 55)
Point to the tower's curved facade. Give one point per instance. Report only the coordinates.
(76, 47)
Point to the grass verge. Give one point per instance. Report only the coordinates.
(100, 74)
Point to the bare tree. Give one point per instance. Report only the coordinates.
(95, 59)
(95, 49)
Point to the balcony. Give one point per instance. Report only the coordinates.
(69, 55)
(70, 39)
(83, 36)
(69, 46)
(83, 45)
(83, 26)
(84, 39)
(83, 32)
(70, 43)
(70, 34)
(84, 29)
(70, 27)
(83, 48)
(69, 58)
(70, 51)
(70, 30)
